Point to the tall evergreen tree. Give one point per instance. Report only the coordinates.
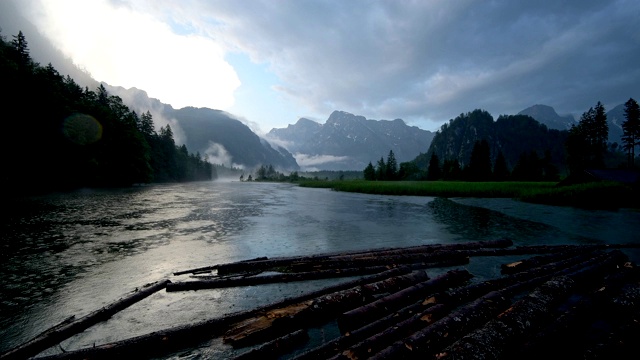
(369, 172)
(631, 130)
(392, 166)
(500, 169)
(587, 142)
(479, 168)
(381, 170)
(434, 172)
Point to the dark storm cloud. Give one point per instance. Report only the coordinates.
(434, 60)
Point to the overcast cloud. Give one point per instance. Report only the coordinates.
(423, 61)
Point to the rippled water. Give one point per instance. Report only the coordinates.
(71, 253)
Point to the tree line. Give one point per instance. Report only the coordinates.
(585, 147)
(61, 136)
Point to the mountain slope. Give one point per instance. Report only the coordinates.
(218, 135)
(616, 118)
(512, 135)
(215, 133)
(350, 142)
(548, 116)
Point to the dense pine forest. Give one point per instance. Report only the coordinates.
(59, 136)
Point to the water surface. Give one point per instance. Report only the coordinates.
(71, 253)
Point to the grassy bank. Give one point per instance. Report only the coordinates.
(595, 195)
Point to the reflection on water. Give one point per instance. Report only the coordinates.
(69, 254)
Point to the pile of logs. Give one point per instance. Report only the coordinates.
(561, 301)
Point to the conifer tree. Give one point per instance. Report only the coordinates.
(631, 130)
(434, 172)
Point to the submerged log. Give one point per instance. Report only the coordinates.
(69, 328)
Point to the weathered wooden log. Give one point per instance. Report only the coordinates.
(525, 278)
(490, 340)
(277, 347)
(571, 331)
(275, 278)
(167, 340)
(384, 338)
(206, 269)
(345, 258)
(541, 260)
(275, 322)
(334, 346)
(66, 330)
(360, 316)
(449, 327)
(402, 259)
(430, 248)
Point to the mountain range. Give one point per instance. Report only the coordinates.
(548, 116)
(349, 142)
(216, 134)
(344, 142)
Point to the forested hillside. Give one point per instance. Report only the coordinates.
(61, 136)
(511, 135)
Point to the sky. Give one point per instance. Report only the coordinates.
(270, 62)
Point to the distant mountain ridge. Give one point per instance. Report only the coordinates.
(214, 133)
(349, 142)
(548, 116)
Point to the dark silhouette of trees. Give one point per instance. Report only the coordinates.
(434, 172)
(586, 144)
(381, 170)
(369, 172)
(70, 137)
(391, 168)
(479, 168)
(409, 170)
(451, 170)
(631, 130)
(500, 168)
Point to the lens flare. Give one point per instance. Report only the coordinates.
(82, 129)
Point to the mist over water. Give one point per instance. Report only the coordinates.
(72, 253)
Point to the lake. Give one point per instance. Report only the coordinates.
(71, 253)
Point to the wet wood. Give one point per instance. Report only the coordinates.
(275, 278)
(70, 328)
(395, 314)
(278, 321)
(277, 347)
(332, 347)
(366, 258)
(446, 328)
(518, 320)
(372, 311)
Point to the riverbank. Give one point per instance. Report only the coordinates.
(597, 195)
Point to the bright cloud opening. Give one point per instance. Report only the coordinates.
(182, 70)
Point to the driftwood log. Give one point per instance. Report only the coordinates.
(70, 327)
